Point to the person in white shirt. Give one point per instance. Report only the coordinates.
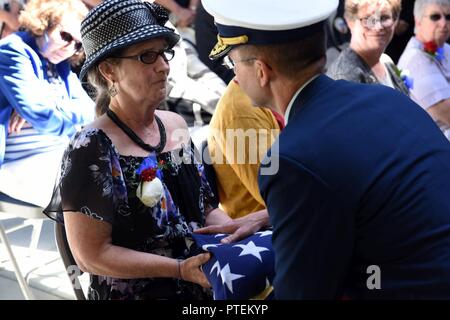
(427, 59)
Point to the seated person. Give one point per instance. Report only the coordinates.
(194, 89)
(427, 59)
(131, 190)
(42, 102)
(372, 25)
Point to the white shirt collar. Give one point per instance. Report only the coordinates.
(291, 103)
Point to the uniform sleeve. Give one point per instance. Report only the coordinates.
(86, 183)
(313, 233)
(29, 95)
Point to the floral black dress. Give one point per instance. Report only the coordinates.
(98, 182)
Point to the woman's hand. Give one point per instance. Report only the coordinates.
(190, 270)
(16, 122)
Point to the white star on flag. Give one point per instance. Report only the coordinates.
(264, 233)
(252, 249)
(228, 277)
(206, 246)
(216, 265)
(241, 270)
(219, 235)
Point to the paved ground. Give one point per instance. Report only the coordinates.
(43, 270)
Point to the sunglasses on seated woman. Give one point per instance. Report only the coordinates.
(150, 56)
(67, 37)
(437, 16)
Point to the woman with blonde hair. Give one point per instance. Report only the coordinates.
(372, 25)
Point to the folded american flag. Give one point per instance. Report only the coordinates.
(240, 270)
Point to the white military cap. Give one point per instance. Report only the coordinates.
(265, 21)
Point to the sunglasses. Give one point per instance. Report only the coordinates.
(437, 16)
(150, 56)
(67, 37)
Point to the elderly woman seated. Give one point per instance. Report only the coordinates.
(131, 189)
(372, 25)
(427, 59)
(42, 103)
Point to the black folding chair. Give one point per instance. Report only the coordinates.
(69, 262)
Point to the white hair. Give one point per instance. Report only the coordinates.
(420, 6)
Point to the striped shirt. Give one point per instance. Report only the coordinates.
(29, 142)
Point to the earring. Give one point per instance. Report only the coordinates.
(45, 43)
(112, 91)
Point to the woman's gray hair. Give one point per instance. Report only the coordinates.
(420, 6)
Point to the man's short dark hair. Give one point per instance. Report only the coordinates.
(291, 58)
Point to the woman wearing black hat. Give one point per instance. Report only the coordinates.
(131, 190)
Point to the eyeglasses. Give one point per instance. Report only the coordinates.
(370, 22)
(149, 57)
(230, 64)
(67, 37)
(437, 16)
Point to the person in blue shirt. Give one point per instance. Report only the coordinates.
(357, 184)
(42, 103)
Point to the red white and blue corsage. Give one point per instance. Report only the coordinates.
(150, 190)
(432, 49)
(406, 78)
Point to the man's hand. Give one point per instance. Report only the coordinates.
(239, 228)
